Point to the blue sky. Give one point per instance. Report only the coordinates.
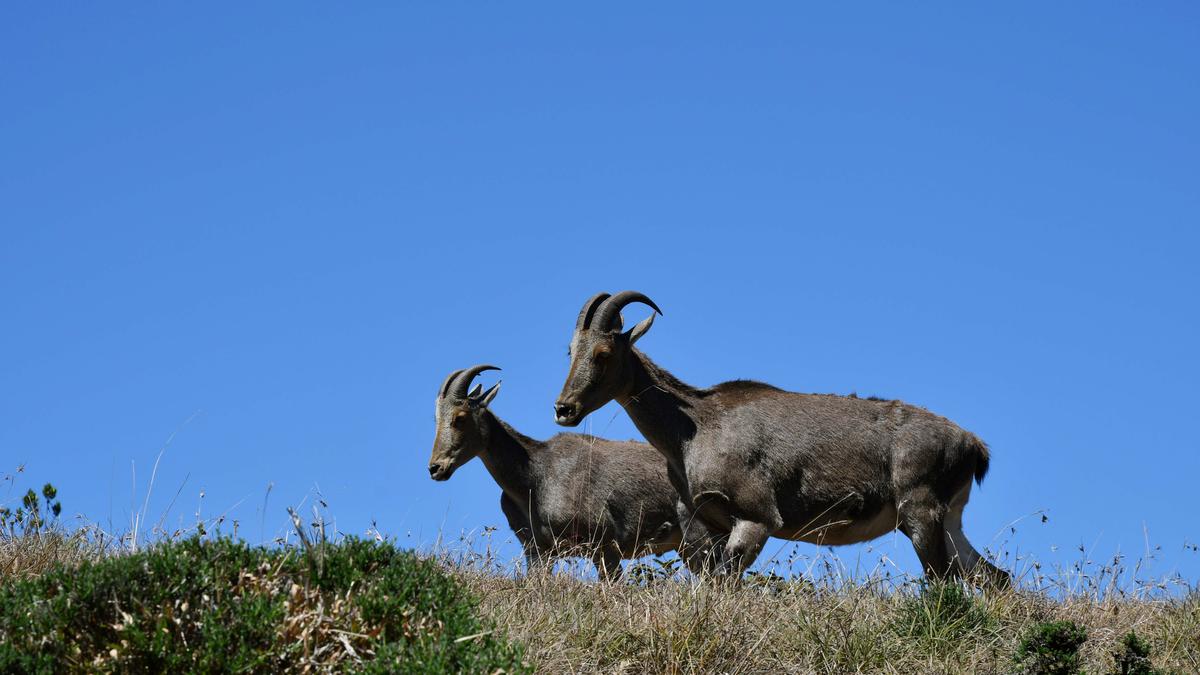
(272, 232)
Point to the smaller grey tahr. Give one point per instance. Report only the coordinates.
(572, 495)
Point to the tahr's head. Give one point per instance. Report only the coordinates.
(460, 421)
(601, 356)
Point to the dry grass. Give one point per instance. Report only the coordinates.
(819, 615)
(30, 555)
(32, 537)
(678, 626)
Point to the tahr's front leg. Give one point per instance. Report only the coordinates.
(701, 547)
(608, 562)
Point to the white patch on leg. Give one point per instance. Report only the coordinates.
(965, 556)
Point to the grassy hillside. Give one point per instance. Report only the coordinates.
(215, 604)
(83, 602)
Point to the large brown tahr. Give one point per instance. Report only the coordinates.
(750, 461)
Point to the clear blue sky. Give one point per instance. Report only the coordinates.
(288, 223)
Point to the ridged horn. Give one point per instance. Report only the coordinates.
(446, 384)
(459, 388)
(589, 309)
(607, 314)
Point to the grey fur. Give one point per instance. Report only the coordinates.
(570, 495)
(750, 461)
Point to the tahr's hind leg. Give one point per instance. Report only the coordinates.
(968, 562)
(923, 520)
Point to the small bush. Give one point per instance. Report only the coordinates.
(221, 606)
(1052, 648)
(33, 516)
(1133, 657)
(656, 570)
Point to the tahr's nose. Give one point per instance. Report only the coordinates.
(434, 468)
(565, 411)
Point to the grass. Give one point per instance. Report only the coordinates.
(677, 626)
(33, 539)
(270, 602)
(30, 555)
(197, 601)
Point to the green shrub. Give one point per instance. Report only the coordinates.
(33, 515)
(1052, 648)
(1133, 657)
(220, 606)
(657, 570)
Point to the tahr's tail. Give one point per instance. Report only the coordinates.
(983, 459)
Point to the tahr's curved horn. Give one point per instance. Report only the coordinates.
(446, 384)
(459, 388)
(607, 314)
(589, 309)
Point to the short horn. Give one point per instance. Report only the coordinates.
(463, 381)
(607, 314)
(589, 309)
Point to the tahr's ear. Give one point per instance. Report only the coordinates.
(640, 329)
(489, 395)
(475, 392)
